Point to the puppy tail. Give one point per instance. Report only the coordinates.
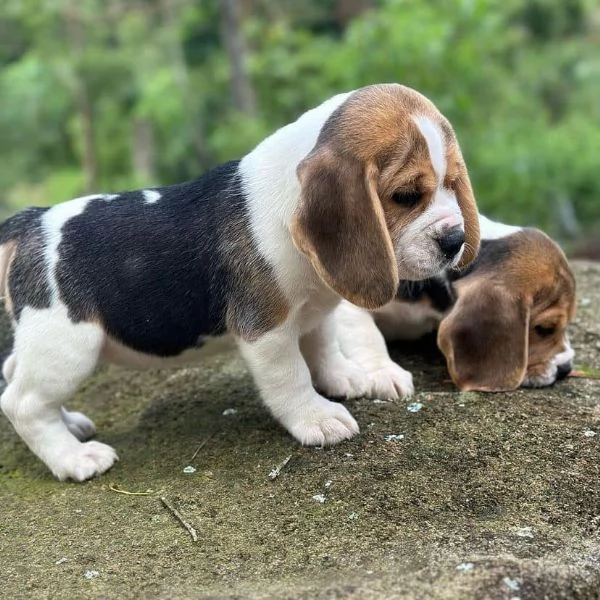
(11, 231)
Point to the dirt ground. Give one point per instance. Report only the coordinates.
(484, 496)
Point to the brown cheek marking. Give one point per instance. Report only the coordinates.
(256, 304)
(397, 218)
(417, 171)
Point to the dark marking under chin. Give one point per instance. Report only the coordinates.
(438, 290)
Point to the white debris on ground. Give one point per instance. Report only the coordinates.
(465, 567)
(353, 516)
(91, 574)
(414, 407)
(320, 498)
(394, 437)
(525, 532)
(229, 411)
(378, 401)
(511, 584)
(274, 473)
(589, 433)
(328, 483)
(189, 469)
(585, 301)
(60, 561)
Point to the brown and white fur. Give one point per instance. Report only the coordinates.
(501, 322)
(366, 189)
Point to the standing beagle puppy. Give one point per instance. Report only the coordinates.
(366, 189)
(501, 321)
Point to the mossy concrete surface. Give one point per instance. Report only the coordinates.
(484, 496)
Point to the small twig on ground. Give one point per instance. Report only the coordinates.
(202, 444)
(274, 474)
(178, 516)
(114, 488)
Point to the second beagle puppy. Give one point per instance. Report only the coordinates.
(366, 189)
(501, 321)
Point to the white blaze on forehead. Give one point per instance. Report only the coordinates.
(151, 196)
(435, 145)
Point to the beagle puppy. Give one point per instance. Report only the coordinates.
(501, 321)
(364, 190)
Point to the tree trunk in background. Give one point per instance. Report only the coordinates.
(242, 93)
(346, 10)
(175, 48)
(83, 103)
(143, 156)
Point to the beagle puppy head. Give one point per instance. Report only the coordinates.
(385, 196)
(509, 325)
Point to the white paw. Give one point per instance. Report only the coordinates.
(342, 379)
(84, 461)
(78, 424)
(321, 423)
(391, 382)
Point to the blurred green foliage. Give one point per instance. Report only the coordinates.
(115, 94)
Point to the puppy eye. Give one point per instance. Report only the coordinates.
(408, 199)
(544, 331)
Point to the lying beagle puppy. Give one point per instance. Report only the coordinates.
(366, 189)
(501, 321)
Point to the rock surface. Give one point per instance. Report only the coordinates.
(484, 496)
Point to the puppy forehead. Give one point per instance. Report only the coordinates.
(375, 119)
(539, 267)
(435, 144)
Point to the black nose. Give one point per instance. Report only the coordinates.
(563, 370)
(451, 242)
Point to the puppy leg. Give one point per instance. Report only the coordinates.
(332, 373)
(362, 342)
(285, 384)
(53, 357)
(78, 424)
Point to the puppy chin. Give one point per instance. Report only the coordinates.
(542, 376)
(418, 267)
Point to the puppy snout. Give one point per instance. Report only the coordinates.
(563, 370)
(451, 242)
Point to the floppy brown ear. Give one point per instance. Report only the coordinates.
(485, 340)
(340, 226)
(468, 207)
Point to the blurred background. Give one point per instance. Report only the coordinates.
(107, 95)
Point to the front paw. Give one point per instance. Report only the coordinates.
(84, 461)
(390, 382)
(342, 379)
(321, 422)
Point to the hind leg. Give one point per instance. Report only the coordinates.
(77, 423)
(53, 357)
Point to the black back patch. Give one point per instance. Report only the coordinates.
(163, 274)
